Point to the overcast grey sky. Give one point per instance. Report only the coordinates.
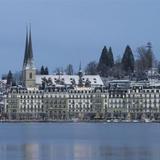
(70, 31)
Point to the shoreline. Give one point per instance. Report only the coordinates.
(71, 121)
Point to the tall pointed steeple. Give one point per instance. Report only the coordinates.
(80, 66)
(30, 50)
(29, 70)
(26, 49)
(28, 56)
(80, 74)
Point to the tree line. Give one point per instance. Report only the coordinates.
(128, 65)
(131, 65)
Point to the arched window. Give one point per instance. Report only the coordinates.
(30, 75)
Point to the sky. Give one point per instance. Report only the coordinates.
(74, 31)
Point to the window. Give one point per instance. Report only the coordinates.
(30, 75)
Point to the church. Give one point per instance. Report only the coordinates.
(32, 81)
(28, 70)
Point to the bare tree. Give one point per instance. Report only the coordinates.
(69, 69)
(59, 71)
(91, 68)
(117, 70)
(145, 59)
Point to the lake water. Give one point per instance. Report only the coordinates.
(79, 141)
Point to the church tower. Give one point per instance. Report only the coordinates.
(29, 70)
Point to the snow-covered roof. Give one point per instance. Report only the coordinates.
(3, 81)
(67, 79)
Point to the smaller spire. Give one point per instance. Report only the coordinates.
(80, 73)
(80, 67)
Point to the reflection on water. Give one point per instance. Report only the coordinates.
(76, 152)
(95, 142)
(31, 151)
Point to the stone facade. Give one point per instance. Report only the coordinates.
(52, 104)
(29, 77)
(98, 103)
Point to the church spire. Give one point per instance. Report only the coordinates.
(80, 67)
(28, 56)
(26, 49)
(30, 50)
(29, 70)
(80, 74)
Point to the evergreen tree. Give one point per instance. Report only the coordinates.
(46, 72)
(106, 62)
(102, 67)
(145, 60)
(110, 60)
(42, 72)
(9, 78)
(128, 61)
(14, 82)
(149, 55)
(159, 67)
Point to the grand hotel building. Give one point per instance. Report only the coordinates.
(65, 97)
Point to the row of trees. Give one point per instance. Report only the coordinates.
(106, 61)
(69, 70)
(128, 65)
(12, 78)
(44, 70)
(108, 67)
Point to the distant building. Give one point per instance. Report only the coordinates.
(66, 97)
(55, 104)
